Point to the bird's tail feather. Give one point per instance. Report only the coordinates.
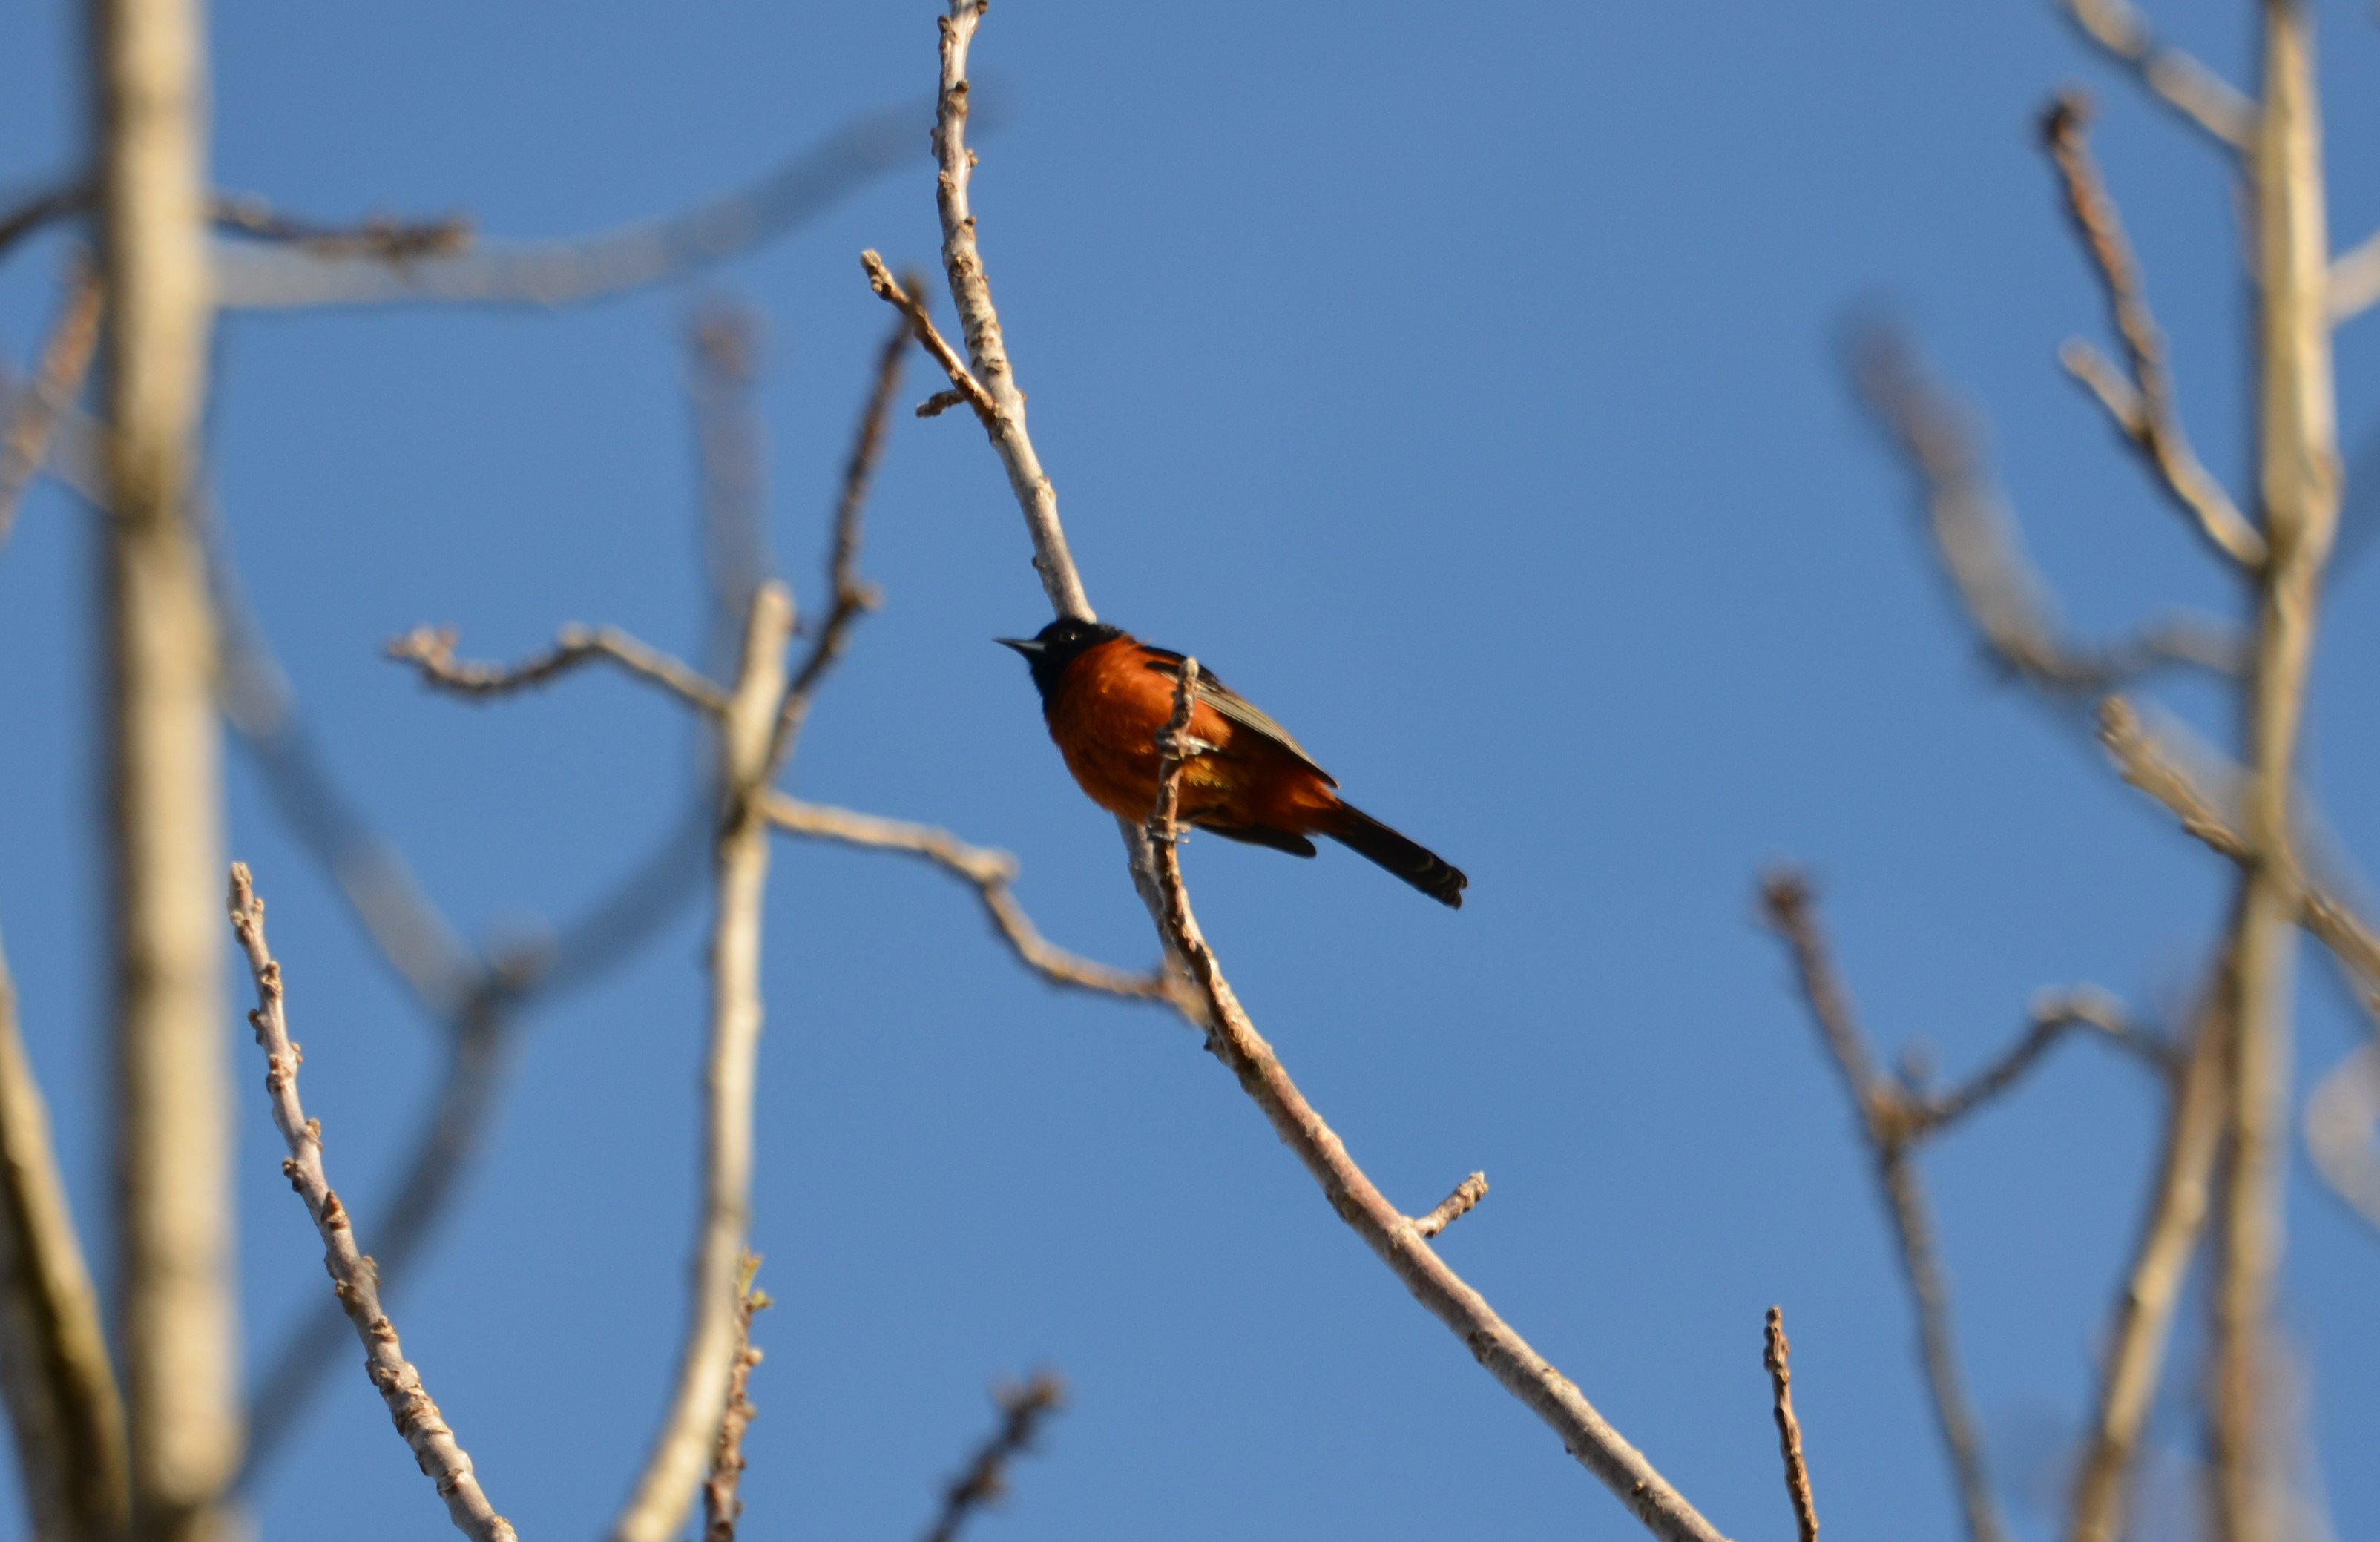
(1409, 860)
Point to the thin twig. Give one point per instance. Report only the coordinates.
(992, 873)
(1390, 1234)
(65, 359)
(740, 873)
(380, 238)
(722, 1506)
(39, 209)
(2054, 1016)
(1975, 535)
(354, 1278)
(430, 650)
(2183, 83)
(911, 302)
(853, 596)
(280, 277)
(1454, 1206)
(2355, 280)
(1023, 1409)
(2143, 760)
(2152, 424)
(1778, 1357)
(723, 351)
(63, 1407)
(979, 322)
(1886, 1120)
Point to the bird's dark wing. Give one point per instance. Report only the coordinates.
(1230, 704)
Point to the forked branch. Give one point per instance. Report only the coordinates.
(2141, 399)
(354, 1279)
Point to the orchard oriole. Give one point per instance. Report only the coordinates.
(1106, 696)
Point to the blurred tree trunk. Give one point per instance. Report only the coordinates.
(176, 1307)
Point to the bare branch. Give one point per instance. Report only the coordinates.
(586, 268)
(1391, 1235)
(41, 208)
(2176, 1214)
(992, 873)
(2153, 423)
(2187, 86)
(1454, 1206)
(966, 390)
(2142, 760)
(354, 1278)
(378, 239)
(63, 1408)
(740, 873)
(1975, 537)
(2053, 1017)
(1022, 1411)
(721, 1506)
(66, 359)
(854, 597)
(979, 322)
(430, 650)
(2341, 1120)
(1778, 1357)
(1886, 1119)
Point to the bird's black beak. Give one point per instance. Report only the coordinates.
(1027, 646)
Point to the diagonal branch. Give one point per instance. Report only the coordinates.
(63, 1407)
(1975, 537)
(966, 390)
(430, 650)
(2354, 281)
(1778, 1357)
(2142, 760)
(1391, 1235)
(1791, 910)
(2145, 413)
(354, 1278)
(2058, 1015)
(992, 872)
(1454, 1206)
(1023, 1409)
(853, 596)
(2183, 83)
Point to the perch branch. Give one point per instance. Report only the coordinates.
(1454, 1206)
(2183, 83)
(65, 359)
(853, 596)
(2149, 419)
(721, 1506)
(1778, 1357)
(1390, 1234)
(992, 872)
(355, 1278)
(1023, 1411)
(740, 872)
(1888, 1122)
(430, 650)
(1975, 537)
(63, 1407)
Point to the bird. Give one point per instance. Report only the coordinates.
(1106, 696)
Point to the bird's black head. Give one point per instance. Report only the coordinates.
(1050, 650)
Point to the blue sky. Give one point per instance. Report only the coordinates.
(1463, 384)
